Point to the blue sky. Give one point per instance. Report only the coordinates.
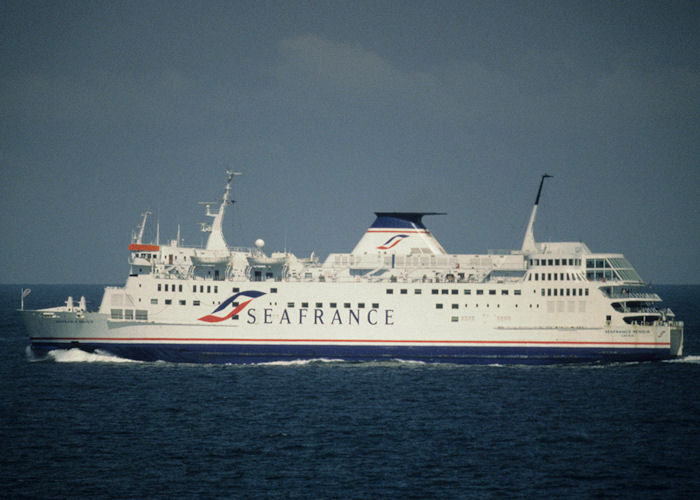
(334, 110)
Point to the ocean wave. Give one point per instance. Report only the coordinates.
(298, 362)
(694, 359)
(80, 356)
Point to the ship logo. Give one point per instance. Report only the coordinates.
(213, 318)
(392, 242)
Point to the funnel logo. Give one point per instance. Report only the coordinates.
(211, 318)
(392, 242)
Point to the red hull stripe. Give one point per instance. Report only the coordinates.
(354, 341)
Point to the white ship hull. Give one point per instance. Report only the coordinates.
(273, 327)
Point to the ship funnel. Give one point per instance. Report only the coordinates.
(529, 244)
(399, 233)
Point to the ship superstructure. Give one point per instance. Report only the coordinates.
(397, 294)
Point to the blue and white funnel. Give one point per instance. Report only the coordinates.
(399, 233)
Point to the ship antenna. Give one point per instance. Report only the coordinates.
(529, 244)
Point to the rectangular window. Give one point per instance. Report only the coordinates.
(455, 319)
(159, 287)
(375, 305)
(504, 292)
(166, 287)
(455, 306)
(216, 289)
(389, 291)
(154, 301)
(516, 292)
(319, 305)
(479, 292)
(361, 305)
(434, 292)
(492, 292)
(438, 306)
(467, 292)
(418, 291)
(236, 290)
(141, 315)
(445, 291)
(183, 302)
(304, 305)
(290, 304)
(404, 291)
(168, 302)
(179, 288)
(194, 288)
(334, 305)
(117, 314)
(195, 302)
(128, 314)
(208, 289)
(346, 305)
(455, 292)
(273, 290)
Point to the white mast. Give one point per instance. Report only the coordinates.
(138, 238)
(529, 245)
(216, 239)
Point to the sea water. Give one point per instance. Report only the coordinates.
(91, 425)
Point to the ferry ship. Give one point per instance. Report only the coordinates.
(397, 295)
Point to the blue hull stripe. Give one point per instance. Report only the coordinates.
(257, 353)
